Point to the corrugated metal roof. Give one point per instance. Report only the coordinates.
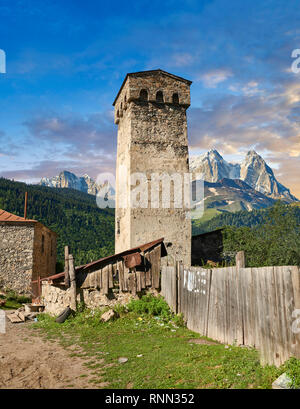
(9, 217)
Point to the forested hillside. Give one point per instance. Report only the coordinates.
(276, 242)
(238, 219)
(73, 215)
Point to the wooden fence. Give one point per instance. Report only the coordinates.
(248, 306)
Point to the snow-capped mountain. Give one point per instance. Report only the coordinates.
(84, 184)
(253, 170)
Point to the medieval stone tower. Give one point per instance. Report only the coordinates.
(150, 110)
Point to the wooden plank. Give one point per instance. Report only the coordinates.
(67, 275)
(115, 272)
(152, 268)
(231, 296)
(99, 283)
(148, 271)
(126, 275)
(254, 308)
(239, 312)
(284, 327)
(133, 283)
(289, 308)
(138, 281)
(207, 302)
(296, 312)
(275, 341)
(73, 291)
(156, 267)
(110, 276)
(211, 331)
(226, 305)
(143, 279)
(105, 280)
(180, 284)
(121, 275)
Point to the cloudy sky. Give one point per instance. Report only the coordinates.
(66, 60)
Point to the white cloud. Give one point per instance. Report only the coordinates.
(212, 78)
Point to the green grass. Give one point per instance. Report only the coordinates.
(13, 300)
(168, 360)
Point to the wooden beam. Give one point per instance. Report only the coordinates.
(67, 276)
(73, 293)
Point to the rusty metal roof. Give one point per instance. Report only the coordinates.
(54, 277)
(143, 247)
(9, 217)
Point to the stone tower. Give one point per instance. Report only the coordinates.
(150, 110)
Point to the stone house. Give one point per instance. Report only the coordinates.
(27, 252)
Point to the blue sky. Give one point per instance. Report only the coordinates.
(66, 61)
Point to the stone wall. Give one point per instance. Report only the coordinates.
(44, 260)
(16, 256)
(57, 298)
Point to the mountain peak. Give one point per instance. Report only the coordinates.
(254, 171)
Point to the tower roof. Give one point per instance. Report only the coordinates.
(144, 73)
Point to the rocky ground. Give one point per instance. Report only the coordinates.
(27, 361)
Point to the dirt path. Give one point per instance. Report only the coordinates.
(29, 362)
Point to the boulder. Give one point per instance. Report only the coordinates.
(108, 315)
(283, 382)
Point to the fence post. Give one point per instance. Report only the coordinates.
(72, 283)
(67, 276)
(240, 260)
(177, 273)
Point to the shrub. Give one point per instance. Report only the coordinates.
(151, 305)
(292, 367)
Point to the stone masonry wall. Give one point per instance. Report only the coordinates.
(16, 257)
(44, 261)
(57, 298)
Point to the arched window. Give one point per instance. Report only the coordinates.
(118, 114)
(121, 105)
(175, 99)
(159, 96)
(125, 99)
(144, 95)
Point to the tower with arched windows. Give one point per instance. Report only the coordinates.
(150, 111)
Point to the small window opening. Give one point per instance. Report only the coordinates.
(144, 95)
(159, 96)
(175, 99)
(118, 227)
(43, 243)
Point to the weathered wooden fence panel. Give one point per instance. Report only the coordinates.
(248, 306)
(169, 286)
